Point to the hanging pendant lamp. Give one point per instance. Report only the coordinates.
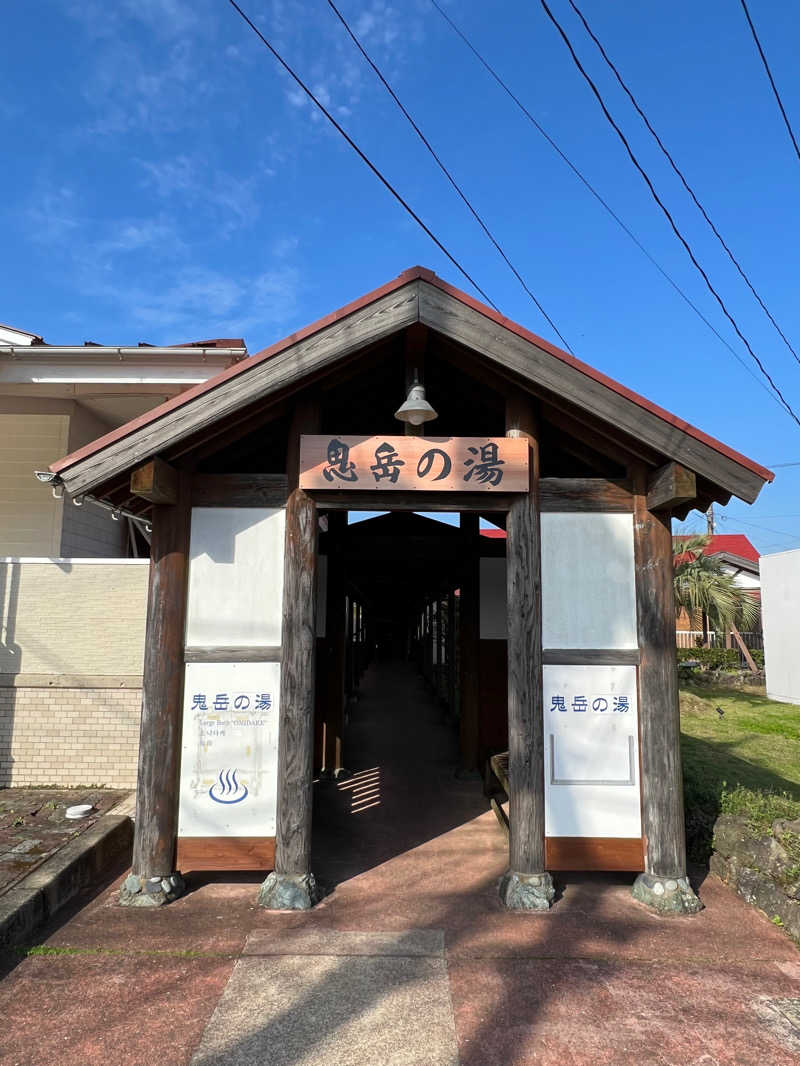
(416, 408)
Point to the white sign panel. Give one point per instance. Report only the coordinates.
(588, 581)
(229, 762)
(235, 577)
(591, 752)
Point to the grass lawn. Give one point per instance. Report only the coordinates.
(746, 761)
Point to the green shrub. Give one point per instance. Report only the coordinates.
(711, 658)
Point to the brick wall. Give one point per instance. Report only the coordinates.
(71, 649)
(69, 736)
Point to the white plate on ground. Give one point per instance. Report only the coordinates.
(80, 810)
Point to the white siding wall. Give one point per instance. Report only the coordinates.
(30, 518)
(65, 616)
(780, 619)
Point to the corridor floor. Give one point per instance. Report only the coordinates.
(410, 960)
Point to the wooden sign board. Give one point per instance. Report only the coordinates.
(424, 464)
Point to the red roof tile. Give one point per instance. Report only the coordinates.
(729, 544)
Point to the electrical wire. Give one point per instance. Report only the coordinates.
(445, 171)
(364, 158)
(588, 185)
(777, 465)
(682, 177)
(754, 525)
(664, 209)
(771, 79)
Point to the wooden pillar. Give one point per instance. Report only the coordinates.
(428, 657)
(469, 642)
(336, 638)
(291, 886)
(663, 884)
(158, 782)
(451, 651)
(526, 886)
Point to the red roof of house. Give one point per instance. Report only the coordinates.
(730, 544)
(407, 276)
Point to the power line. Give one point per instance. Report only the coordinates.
(766, 529)
(664, 209)
(771, 79)
(444, 170)
(777, 465)
(680, 174)
(588, 185)
(384, 181)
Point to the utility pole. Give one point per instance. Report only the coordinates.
(710, 520)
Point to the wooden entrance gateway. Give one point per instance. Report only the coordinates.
(567, 636)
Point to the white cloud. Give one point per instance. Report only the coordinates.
(54, 214)
(284, 246)
(232, 200)
(206, 302)
(145, 73)
(157, 234)
(297, 97)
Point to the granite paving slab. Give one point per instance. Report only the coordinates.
(361, 999)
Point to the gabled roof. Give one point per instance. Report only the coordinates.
(417, 295)
(732, 544)
(734, 548)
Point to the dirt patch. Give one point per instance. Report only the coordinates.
(692, 704)
(34, 825)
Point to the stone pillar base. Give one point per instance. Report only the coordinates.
(527, 892)
(666, 895)
(289, 892)
(151, 891)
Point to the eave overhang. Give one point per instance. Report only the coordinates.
(415, 296)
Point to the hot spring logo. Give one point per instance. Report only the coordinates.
(226, 789)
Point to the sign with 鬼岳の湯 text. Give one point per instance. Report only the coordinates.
(229, 762)
(428, 464)
(591, 735)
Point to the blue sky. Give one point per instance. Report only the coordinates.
(164, 181)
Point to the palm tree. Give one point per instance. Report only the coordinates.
(703, 586)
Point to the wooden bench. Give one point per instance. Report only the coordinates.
(498, 771)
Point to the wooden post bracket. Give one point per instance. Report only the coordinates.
(670, 486)
(156, 481)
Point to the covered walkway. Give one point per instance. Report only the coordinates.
(402, 754)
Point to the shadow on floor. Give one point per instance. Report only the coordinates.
(402, 790)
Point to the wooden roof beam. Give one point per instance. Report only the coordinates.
(669, 487)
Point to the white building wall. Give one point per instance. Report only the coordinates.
(30, 517)
(780, 619)
(34, 432)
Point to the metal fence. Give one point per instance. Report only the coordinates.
(693, 638)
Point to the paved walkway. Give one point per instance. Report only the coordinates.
(411, 960)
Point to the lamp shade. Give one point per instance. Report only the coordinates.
(416, 409)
